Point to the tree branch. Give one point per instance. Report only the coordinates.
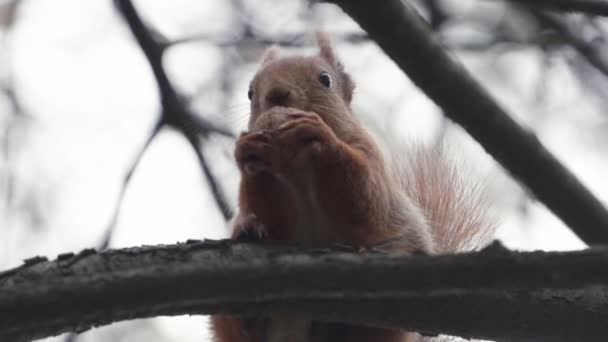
(591, 52)
(594, 7)
(175, 112)
(216, 190)
(407, 39)
(251, 39)
(109, 232)
(539, 294)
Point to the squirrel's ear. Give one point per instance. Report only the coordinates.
(271, 54)
(326, 51)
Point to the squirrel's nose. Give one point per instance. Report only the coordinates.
(278, 97)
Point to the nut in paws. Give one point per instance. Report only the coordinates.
(254, 152)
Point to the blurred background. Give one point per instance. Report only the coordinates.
(78, 101)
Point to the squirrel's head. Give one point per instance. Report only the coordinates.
(311, 83)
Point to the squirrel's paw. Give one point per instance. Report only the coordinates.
(302, 138)
(254, 152)
(250, 230)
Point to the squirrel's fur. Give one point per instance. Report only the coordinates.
(310, 171)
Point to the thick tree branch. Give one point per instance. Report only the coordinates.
(407, 39)
(540, 295)
(594, 7)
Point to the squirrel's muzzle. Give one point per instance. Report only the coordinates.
(278, 97)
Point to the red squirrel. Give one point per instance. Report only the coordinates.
(310, 171)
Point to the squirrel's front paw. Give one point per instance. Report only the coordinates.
(254, 152)
(250, 229)
(302, 138)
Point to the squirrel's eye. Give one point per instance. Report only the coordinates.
(325, 79)
(250, 93)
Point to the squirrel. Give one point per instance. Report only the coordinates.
(311, 172)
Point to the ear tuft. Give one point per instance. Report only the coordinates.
(326, 51)
(271, 54)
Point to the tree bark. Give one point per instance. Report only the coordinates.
(493, 294)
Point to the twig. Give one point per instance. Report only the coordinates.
(184, 120)
(594, 7)
(107, 236)
(591, 52)
(436, 14)
(250, 39)
(15, 115)
(407, 39)
(591, 66)
(216, 191)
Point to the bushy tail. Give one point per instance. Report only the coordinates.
(453, 197)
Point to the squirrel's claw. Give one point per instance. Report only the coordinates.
(250, 230)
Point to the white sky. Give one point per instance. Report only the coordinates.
(92, 99)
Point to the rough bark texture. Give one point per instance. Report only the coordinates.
(408, 40)
(494, 294)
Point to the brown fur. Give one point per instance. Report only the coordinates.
(311, 172)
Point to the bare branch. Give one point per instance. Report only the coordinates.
(594, 7)
(540, 295)
(184, 120)
(407, 39)
(436, 14)
(250, 39)
(591, 52)
(175, 112)
(107, 236)
(216, 190)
